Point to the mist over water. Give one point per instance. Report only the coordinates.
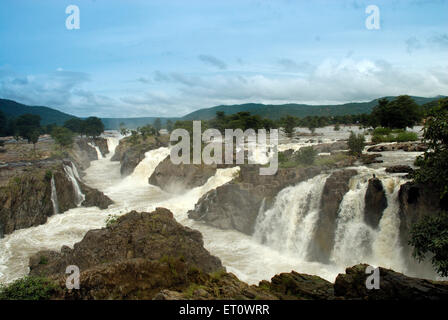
(280, 241)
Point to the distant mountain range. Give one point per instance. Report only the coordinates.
(48, 115)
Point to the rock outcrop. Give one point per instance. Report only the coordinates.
(82, 153)
(26, 200)
(405, 146)
(375, 202)
(235, 205)
(399, 169)
(150, 236)
(336, 186)
(176, 178)
(393, 286)
(130, 152)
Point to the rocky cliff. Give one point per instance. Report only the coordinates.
(130, 152)
(25, 201)
(177, 178)
(235, 205)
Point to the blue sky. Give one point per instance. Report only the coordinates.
(167, 58)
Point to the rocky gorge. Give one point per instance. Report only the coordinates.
(173, 222)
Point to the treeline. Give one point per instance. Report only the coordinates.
(396, 114)
(28, 127)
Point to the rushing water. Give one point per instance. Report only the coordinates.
(279, 244)
(54, 196)
(73, 175)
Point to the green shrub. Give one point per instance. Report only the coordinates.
(111, 220)
(29, 288)
(406, 136)
(382, 131)
(48, 175)
(306, 155)
(356, 143)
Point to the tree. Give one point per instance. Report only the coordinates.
(306, 155)
(400, 113)
(289, 123)
(75, 125)
(3, 123)
(169, 125)
(93, 126)
(157, 125)
(429, 235)
(356, 143)
(62, 136)
(28, 127)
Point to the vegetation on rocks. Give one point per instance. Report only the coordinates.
(29, 288)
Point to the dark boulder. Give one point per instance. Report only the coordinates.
(150, 236)
(177, 178)
(393, 286)
(375, 202)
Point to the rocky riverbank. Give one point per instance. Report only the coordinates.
(27, 197)
(151, 256)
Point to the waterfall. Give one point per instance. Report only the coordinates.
(146, 167)
(72, 173)
(289, 225)
(386, 247)
(98, 151)
(112, 143)
(357, 242)
(352, 236)
(54, 196)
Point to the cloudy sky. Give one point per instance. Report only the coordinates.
(135, 58)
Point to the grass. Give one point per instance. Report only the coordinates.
(29, 288)
(331, 159)
(395, 136)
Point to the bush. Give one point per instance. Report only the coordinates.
(406, 136)
(381, 131)
(356, 143)
(306, 155)
(29, 288)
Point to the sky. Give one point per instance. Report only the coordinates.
(135, 58)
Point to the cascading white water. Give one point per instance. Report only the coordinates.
(79, 196)
(352, 236)
(54, 196)
(97, 149)
(289, 225)
(357, 242)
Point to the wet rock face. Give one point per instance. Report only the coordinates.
(130, 154)
(336, 186)
(26, 200)
(375, 202)
(229, 207)
(177, 178)
(236, 205)
(101, 143)
(416, 201)
(393, 286)
(151, 236)
(82, 153)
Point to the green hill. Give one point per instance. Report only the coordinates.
(14, 109)
(300, 110)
